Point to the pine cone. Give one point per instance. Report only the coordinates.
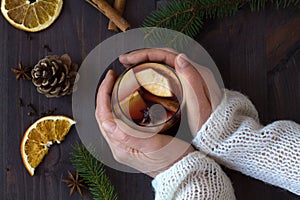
(54, 76)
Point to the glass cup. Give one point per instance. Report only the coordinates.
(148, 97)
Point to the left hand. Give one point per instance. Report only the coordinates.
(150, 155)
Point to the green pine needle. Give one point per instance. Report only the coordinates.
(187, 16)
(93, 172)
(180, 15)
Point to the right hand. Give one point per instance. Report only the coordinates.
(201, 92)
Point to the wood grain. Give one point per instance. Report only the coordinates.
(245, 48)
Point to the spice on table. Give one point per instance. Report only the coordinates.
(33, 110)
(48, 112)
(111, 13)
(30, 113)
(119, 5)
(20, 102)
(22, 72)
(29, 37)
(46, 46)
(74, 183)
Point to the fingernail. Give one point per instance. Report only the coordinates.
(109, 126)
(123, 58)
(109, 73)
(181, 60)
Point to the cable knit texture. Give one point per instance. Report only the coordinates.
(233, 137)
(194, 177)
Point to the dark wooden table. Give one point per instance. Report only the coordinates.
(257, 54)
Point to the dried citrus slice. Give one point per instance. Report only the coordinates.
(31, 15)
(133, 106)
(40, 136)
(154, 82)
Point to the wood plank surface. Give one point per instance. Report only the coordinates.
(256, 53)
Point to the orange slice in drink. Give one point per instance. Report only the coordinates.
(154, 82)
(133, 106)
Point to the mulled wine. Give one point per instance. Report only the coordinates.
(148, 97)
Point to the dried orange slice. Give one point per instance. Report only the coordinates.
(40, 136)
(31, 15)
(133, 106)
(154, 82)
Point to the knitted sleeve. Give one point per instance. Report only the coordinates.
(234, 137)
(194, 177)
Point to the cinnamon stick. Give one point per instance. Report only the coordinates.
(111, 13)
(119, 5)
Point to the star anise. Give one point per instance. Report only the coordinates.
(145, 115)
(22, 72)
(74, 183)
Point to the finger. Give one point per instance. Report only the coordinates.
(184, 67)
(196, 91)
(104, 113)
(103, 109)
(215, 93)
(117, 148)
(169, 50)
(136, 132)
(146, 144)
(211, 87)
(190, 74)
(154, 55)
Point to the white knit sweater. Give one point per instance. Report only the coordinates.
(233, 137)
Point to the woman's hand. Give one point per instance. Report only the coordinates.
(150, 155)
(201, 92)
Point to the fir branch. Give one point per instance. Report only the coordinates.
(93, 172)
(209, 9)
(179, 15)
(187, 16)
